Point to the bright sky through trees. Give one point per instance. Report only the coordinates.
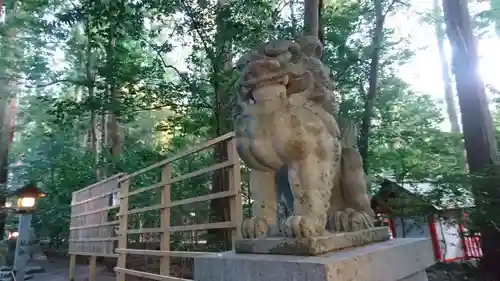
(423, 72)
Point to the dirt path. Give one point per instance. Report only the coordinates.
(58, 270)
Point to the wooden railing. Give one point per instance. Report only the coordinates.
(232, 166)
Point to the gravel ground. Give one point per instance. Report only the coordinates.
(58, 270)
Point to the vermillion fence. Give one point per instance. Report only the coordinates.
(472, 247)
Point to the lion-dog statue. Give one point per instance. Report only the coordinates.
(284, 115)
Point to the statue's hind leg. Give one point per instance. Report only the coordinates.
(311, 181)
(357, 213)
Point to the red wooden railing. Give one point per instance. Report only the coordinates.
(473, 246)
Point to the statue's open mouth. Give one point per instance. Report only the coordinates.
(268, 73)
(293, 84)
(257, 87)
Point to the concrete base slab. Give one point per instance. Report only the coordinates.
(311, 246)
(394, 260)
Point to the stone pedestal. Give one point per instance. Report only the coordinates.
(311, 246)
(393, 260)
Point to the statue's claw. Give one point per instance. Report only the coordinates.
(254, 228)
(349, 220)
(303, 226)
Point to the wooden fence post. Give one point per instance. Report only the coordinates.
(165, 219)
(235, 202)
(92, 268)
(122, 237)
(72, 268)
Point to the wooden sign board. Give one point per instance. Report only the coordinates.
(92, 229)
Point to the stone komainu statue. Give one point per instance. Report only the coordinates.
(284, 116)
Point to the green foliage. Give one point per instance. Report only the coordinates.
(165, 70)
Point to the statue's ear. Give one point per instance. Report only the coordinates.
(299, 83)
(318, 51)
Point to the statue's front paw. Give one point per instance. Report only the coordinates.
(304, 226)
(349, 220)
(254, 228)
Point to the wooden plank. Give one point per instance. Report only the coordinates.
(95, 211)
(93, 254)
(203, 171)
(183, 202)
(144, 230)
(92, 268)
(235, 202)
(72, 267)
(181, 155)
(147, 209)
(202, 198)
(142, 274)
(116, 176)
(165, 220)
(215, 225)
(94, 225)
(156, 253)
(122, 242)
(205, 226)
(92, 198)
(94, 239)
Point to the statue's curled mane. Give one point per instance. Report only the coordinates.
(296, 59)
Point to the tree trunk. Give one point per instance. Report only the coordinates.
(447, 82)
(95, 143)
(480, 142)
(4, 160)
(103, 141)
(220, 209)
(8, 91)
(113, 127)
(445, 70)
(90, 82)
(321, 28)
(293, 18)
(311, 17)
(372, 88)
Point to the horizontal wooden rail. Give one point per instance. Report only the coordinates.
(205, 226)
(93, 198)
(191, 200)
(156, 253)
(181, 155)
(147, 275)
(99, 183)
(206, 170)
(94, 225)
(95, 211)
(96, 239)
(164, 228)
(106, 255)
